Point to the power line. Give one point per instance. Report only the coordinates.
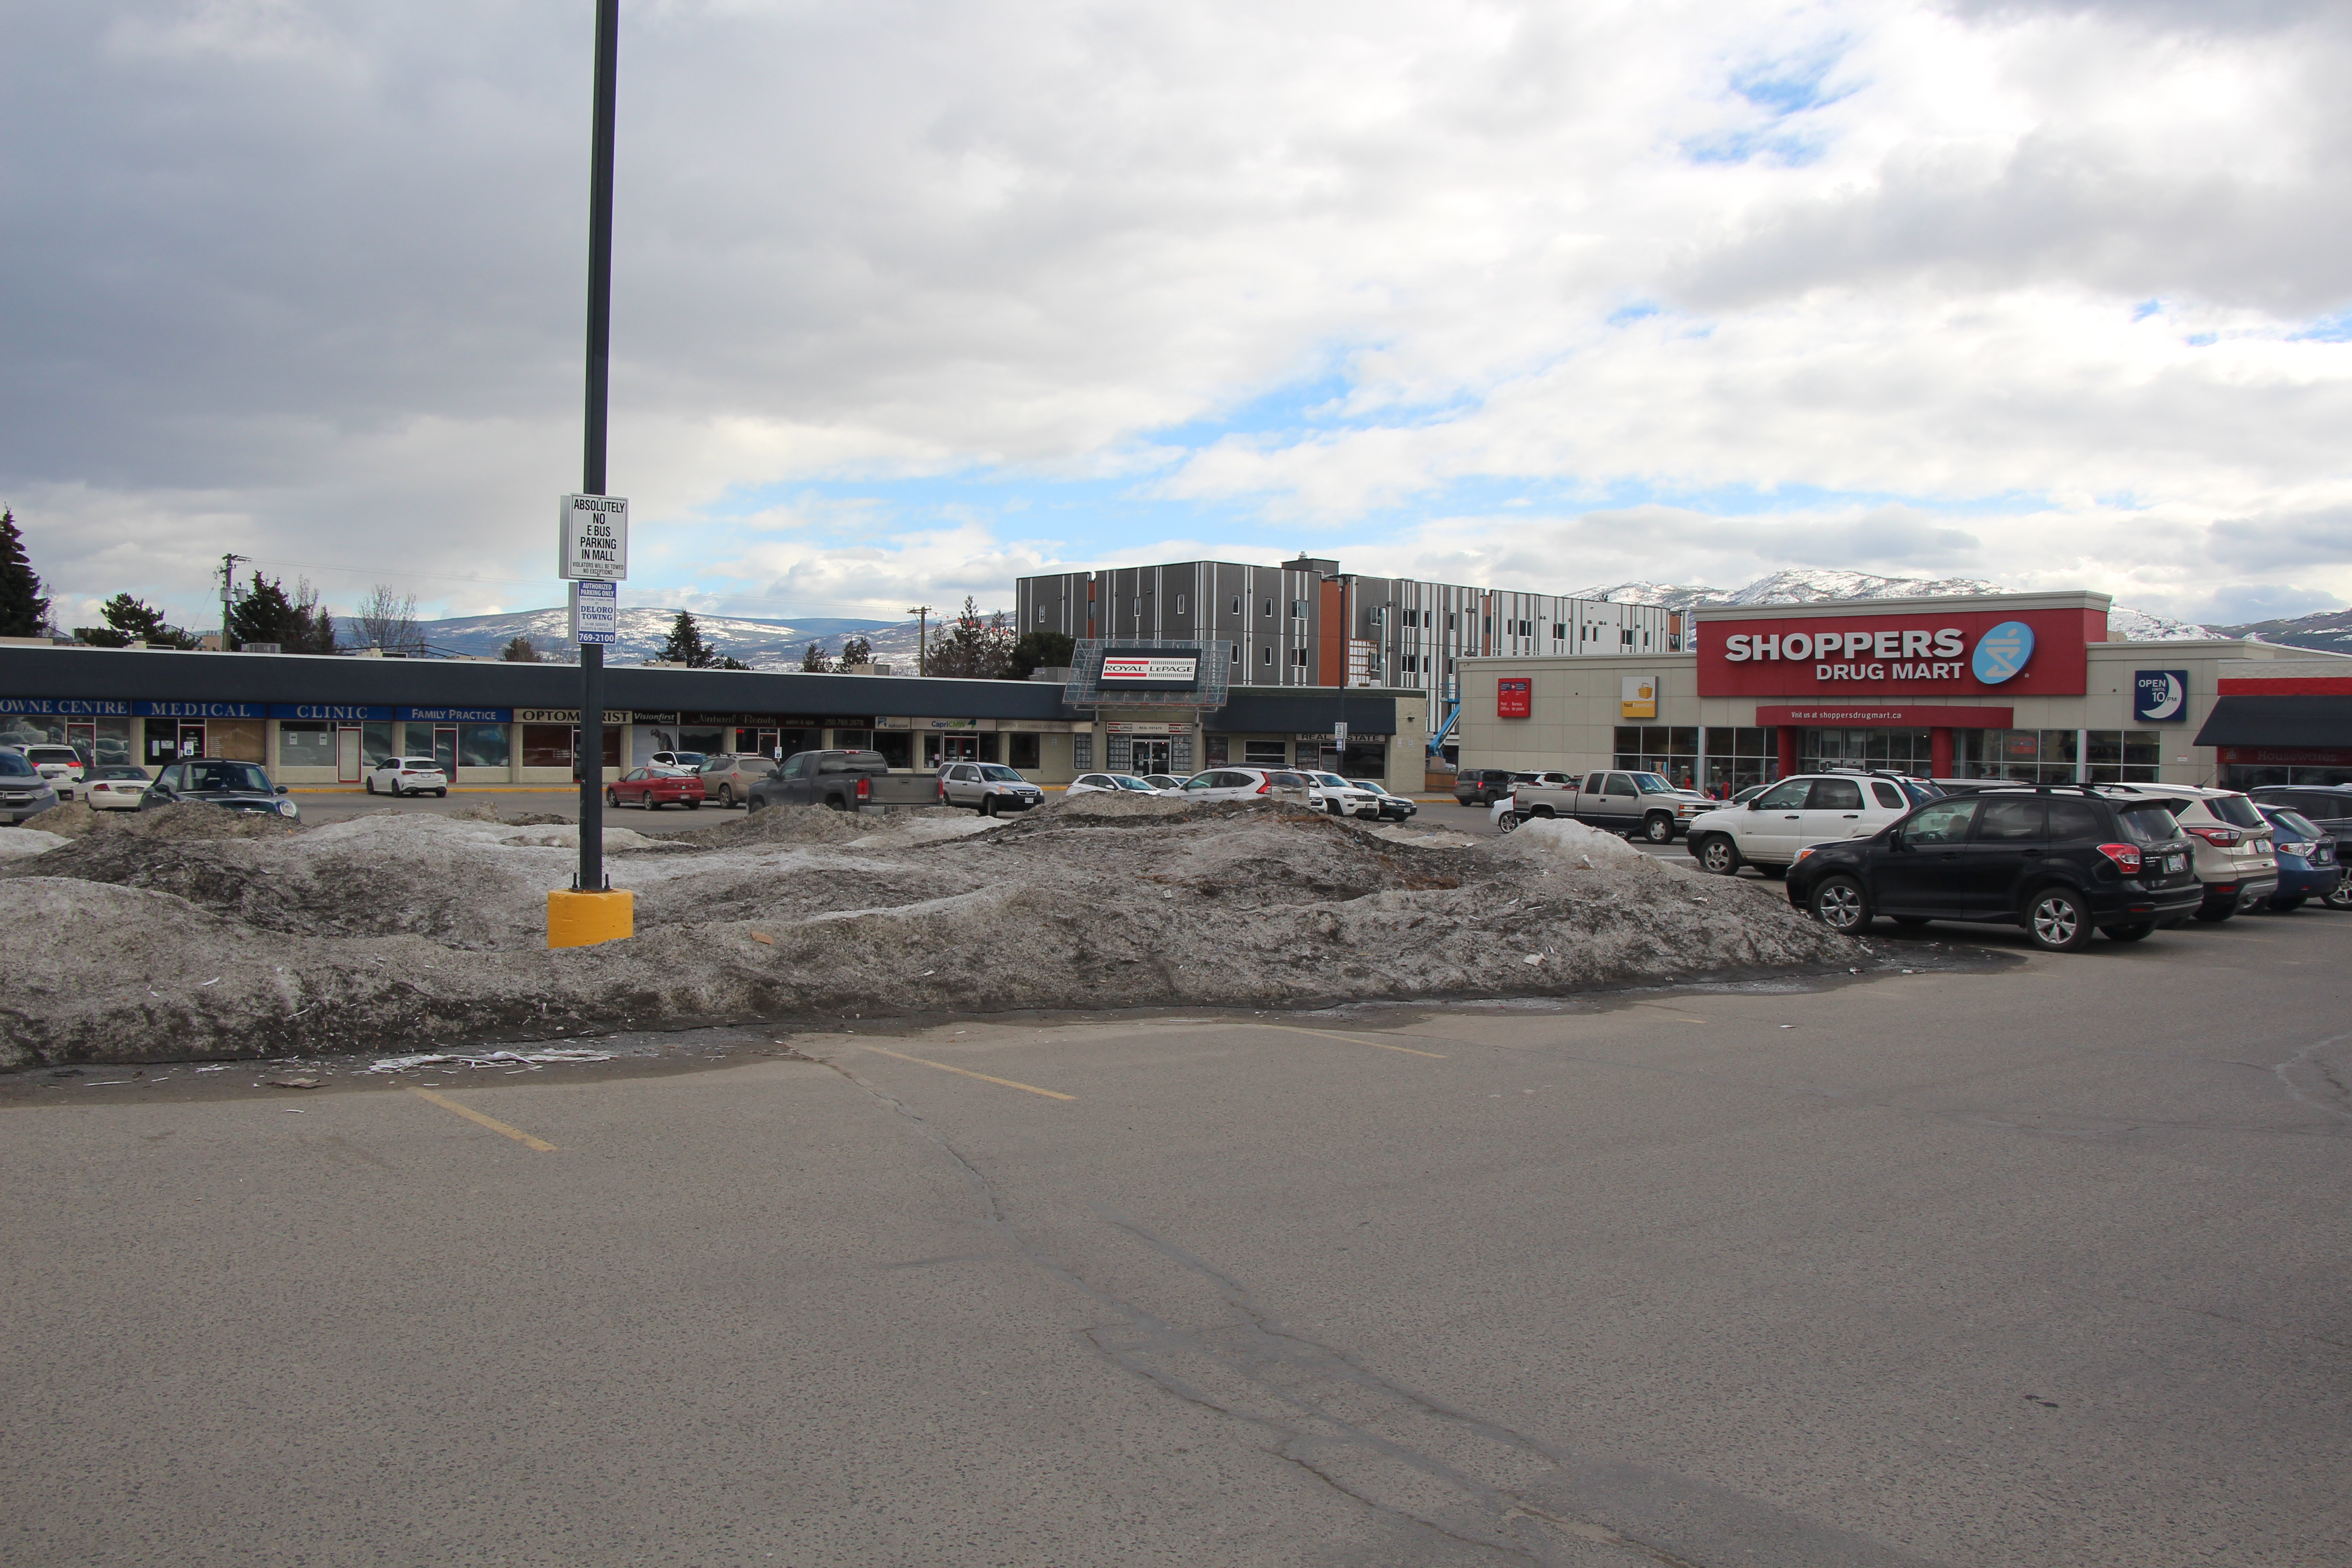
(400, 572)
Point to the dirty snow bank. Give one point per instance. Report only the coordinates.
(398, 931)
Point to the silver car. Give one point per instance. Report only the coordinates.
(987, 787)
(1110, 783)
(1249, 783)
(23, 791)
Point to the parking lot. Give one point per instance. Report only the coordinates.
(2017, 1260)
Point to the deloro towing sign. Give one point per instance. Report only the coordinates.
(593, 534)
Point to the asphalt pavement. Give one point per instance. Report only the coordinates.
(2015, 1259)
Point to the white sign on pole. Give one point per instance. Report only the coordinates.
(596, 612)
(1339, 735)
(594, 538)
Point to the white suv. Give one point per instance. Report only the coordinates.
(1807, 808)
(1340, 797)
(2233, 840)
(1248, 784)
(61, 765)
(408, 775)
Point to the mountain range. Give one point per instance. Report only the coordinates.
(1809, 586)
(2325, 631)
(762, 644)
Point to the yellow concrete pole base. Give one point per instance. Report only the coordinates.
(583, 920)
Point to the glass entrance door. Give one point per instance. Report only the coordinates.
(444, 752)
(192, 741)
(959, 748)
(1147, 754)
(347, 754)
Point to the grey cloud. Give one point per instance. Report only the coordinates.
(2321, 537)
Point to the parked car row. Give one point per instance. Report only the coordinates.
(2064, 860)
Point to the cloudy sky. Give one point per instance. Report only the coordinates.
(913, 298)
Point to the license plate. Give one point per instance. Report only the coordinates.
(2176, 862)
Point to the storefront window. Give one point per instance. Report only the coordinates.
(1024, 749)
(897, 746)
(482, 746)
(2027, 756)
(1671, 749)
(302, 745)
(1739, 756)
(376, 744)
(545, 745)
(1897, 751)
(1266, 754)
(2123, 756)
(852, 740)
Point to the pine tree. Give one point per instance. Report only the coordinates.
(973, 645)
(24, 608)
(521, 650)
(813, 660)
(267, 613)
(128, 620)
(686, 645)
(856, 650)
(1049, 650)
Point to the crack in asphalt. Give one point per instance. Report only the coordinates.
(2337, 1101)
(1297, 1390)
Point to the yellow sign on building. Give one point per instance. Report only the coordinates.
(1638, 698)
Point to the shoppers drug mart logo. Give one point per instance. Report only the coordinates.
(2002, 652)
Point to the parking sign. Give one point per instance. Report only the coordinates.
(596, 612)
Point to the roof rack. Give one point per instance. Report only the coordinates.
(1878, 773)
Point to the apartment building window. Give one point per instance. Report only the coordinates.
(1269, 656)
(1237, 604)
(1269, 609)
(1626, 636)
(1297, 609)
(1558, 632)
(1233, 653)
(1179, 603)
(1299, 657)
(1041, 615)
(1449, 620)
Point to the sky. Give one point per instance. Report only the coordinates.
(911, 299)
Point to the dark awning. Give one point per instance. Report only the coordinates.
(2278, 721)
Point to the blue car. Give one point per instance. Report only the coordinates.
(2308, 867)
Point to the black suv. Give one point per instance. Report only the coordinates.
(2061, 860)
(1484, 786)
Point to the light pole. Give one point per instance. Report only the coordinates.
(592, 476)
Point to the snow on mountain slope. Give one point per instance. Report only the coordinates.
(1811, 585)
(762, 644)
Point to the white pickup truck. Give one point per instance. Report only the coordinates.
(1633, 803)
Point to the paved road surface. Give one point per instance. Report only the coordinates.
(2042, 1263)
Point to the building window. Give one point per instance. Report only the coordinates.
(1269, 654)
(1041, 615)
(306, 745)
(1559, 633)
(1626, 636)
(1450, 620)
(1299, 656)
(1266, 754)
(1233, 653)
(1022, 750)
(1671, 749)
(1269, 609)
(1737, 758)
(482, 746)
(1297, 609)
(1082, 751)
(1179, 603)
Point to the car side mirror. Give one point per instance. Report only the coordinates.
(281, 789)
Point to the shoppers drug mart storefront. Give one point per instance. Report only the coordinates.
(2012, 685)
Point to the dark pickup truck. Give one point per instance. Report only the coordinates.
(841, 780)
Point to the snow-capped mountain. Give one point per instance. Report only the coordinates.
(1811, 585)
(2323, 631)
(762, 644)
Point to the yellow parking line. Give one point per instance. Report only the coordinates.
(492, 1123)
(1006, 1082)
(1328, 1035)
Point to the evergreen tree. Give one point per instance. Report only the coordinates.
(686, 645)
(130, 620)
(520, 651)
(813, 660)
(856, 650)
(728, 661)
(24, 608)
(1040, 650)
(973, 645)
(264, 613)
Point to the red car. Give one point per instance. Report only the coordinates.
(644, 787)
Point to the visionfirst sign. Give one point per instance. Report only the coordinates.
(2044, 652)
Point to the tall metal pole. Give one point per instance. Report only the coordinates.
(591, 755)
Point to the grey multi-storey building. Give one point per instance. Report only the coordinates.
(1307, 622)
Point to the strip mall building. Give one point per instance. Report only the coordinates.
(2013, 685)
(317, 720)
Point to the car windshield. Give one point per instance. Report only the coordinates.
(2148, 824)
(2294, 822)
(1330, 781)
(13, 765)
(1002, 774)
(1368, 785)
(2236, 810)
(121, 771)
(54, 754)
(1920, 793)
(1129, 781)
(1652, 783)
(228, 775)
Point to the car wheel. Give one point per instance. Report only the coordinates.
(612, 799)
(694, 805)
(1659, 829)
(726, 795)
(1840, 904)
(370, 784)
(1718, 855)
(1332, 807)
(1546, 813)
(757, 803)
(835, 803)
(2339, 899)
(2213, 914)
(988, 806)
(441, 794)
(2139, 932)
(2282, 905)
(1507, 823)
(2056, 921)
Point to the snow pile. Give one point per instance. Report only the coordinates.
(397, 928)
(19, 842)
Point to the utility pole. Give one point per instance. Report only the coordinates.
(922, 614)
(228, 594)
